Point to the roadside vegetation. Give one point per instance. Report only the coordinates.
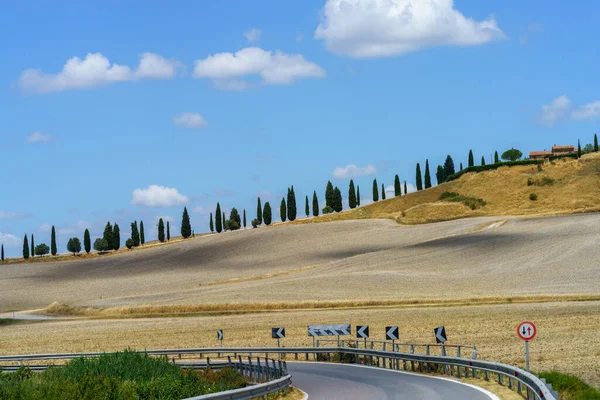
(570, 387)
(119, 376)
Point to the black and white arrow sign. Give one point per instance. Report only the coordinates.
(277, 333)
(220, 334)
(329, 330)
(440, 334)
(391, 333)
(362, 331)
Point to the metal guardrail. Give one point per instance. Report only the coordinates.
(412, 348)
(455, 366)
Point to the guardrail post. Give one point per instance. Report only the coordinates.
(229, 361)
(241, 364)
(519, 386)
(296, 356)
(427, 350)
(510, 382)
(458, 373)
(487, 376)
(500, 379)
(208, 362)
(280, 368)
(252, 371)
(458, 351)
(259, 369)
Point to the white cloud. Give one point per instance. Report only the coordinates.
(9, 240)
(158, 196)
(252, 35)
(352, 171)
(274, 68)
(95, 70)
(530, 31)
(189, 120)
(555, 111)
(380, 28)
(14, 215)
(38, 137)
(410, 187)
(588, 111)
(389, 191)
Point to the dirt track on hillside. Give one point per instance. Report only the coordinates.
(348, 260)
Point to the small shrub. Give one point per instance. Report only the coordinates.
(532, 196)
(472, 202)
(255, 223)
(129, 243)
(540, 181)
(327, 210)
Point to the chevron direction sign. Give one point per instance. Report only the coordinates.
(362, 331)
(277, 333)
(440, 334)
(391, 333)
(329, 330)
(220, 334)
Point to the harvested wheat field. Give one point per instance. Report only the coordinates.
(567, 339)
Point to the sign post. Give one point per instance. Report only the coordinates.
(362, 332)
(391, 333)
(278, 333)
(526, 331)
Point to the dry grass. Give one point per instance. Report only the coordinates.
(567, 332)
(575, 189)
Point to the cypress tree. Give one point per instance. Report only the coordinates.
(578, 148)
(357, 195)
(25, 248)
(306, 207)
(259, 212)
(135, 234)
(315, 204)
(351, 195)
(405, 188)
(53, 249)
(282, 210)
(142, 235)
(244, 218)
(186, 227)
(419, 178)
(32, 246)
(267, 216)
(211, 224)
(218, 216)
(224, 222)
(375, 191)
(496, 158)
(87, 241)
(595, 142)
(337, 202)
(397, 187)
(116, 242)
(168, 231)
(448, 167)
(482, 160)
(108, 234)
(461, 168)
(2, 253)
(291, 204)
(471, 159)
(329, 195)
(427, 175)
(161, 229)
(382, 192)
(440, 175)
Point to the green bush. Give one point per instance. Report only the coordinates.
(327, 210)
(570, 387)
(119, 376)
(540, 181)
(129, 243)
(489, 167)
(567, 155)
(472, 202)
(532, 196)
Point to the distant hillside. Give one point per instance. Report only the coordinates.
(562, 187)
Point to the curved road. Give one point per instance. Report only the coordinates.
(323, 381)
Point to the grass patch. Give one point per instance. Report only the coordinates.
(119, 376)
(472, 202)
(540, 181)
(570, 387)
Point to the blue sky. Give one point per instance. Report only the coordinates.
(223, 101)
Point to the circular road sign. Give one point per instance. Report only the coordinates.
(526, 330)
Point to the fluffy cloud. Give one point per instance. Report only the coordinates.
(588, 111)
(555, 111)
(158, 196)
(389, 191)
(274, 68)
(252, 35)
(380, 28)
(95, 70)
(352, 171)
(38, 137)
(9, 240)
(190, 120)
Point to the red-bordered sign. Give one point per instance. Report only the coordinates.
(526, 330)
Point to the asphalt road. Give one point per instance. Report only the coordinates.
(342, 381)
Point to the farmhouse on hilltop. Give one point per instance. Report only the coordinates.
(556, 150)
